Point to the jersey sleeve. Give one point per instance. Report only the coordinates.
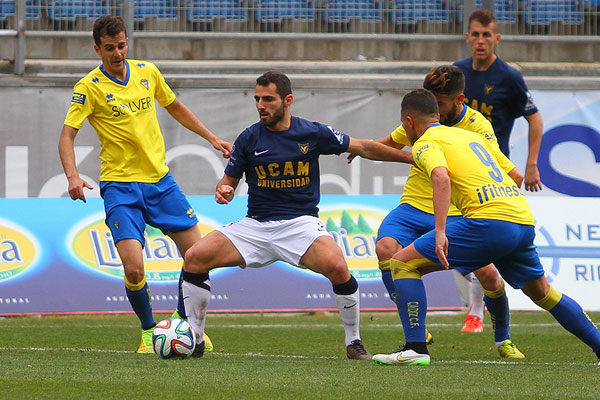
(523, 104)
(164, 94)
(332, 141)
(81, 106)
(399, 136)
(238, 160)
(428, 156)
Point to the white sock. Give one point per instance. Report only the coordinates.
(477, 304)
(349, 307)
(196, 301)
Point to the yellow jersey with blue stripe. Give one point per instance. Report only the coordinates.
(418, 191)
(480, 188)
(123, 113)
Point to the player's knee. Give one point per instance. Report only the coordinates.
(134, 275)
(386, 247)
(489, 278)
(196, 259)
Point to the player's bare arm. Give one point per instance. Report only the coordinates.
(533, 182)
(441, 204)
(387, 140)
(66, 151)
(374, 150)
(226, 189)
(187, 118)
(516, 176)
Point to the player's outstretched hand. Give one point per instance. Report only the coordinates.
(533, 183)
(224, 194)
(76, 186)
(441, 248)
(224, 147)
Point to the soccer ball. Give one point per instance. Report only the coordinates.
(173, 338)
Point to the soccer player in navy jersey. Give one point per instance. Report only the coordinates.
(279, 156)
(498, 91)
(119, 100)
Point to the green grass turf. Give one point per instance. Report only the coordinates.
(289, 356)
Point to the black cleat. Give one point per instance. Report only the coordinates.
(356, 351)
(199, 350)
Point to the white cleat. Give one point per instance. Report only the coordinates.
(407, 357)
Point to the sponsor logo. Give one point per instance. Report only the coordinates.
(144, 83)
(19, 250)
(92, 244)
(354, 229)
(258, 153)
(110, 97)
(78, 98)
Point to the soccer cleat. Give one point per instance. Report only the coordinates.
(509, 350)
(472, 324)
(405, 357)
(177, 315)
(356, 351)
(146, 344)
(199, 350)
(208, 346)
(428, 337)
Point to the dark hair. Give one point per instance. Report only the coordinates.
(483, 16)
(281, 81)
(445, 79)
(420, 103)
(108, 25)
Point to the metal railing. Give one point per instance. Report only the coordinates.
(306, 19)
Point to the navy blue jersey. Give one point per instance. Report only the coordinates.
(500, 94)
(282, 167)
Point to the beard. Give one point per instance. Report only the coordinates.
(275, 118)
(450, 117)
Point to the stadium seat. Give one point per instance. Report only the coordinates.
(159, 9)
(7, 9)
(209, 10)
(544, 12)
(413, 11)
(505, 11)
(336, 11)
(277, 10)
(69, 10)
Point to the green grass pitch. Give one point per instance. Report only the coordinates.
(289, 356)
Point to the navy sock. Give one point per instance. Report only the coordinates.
(180, 305)
(500, 314)
(141, 304)
(572, 317)
(412, 306)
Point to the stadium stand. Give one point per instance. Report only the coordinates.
(343, 11)
(544, 12)
(69, 10)
(277, 10)
(206, 11)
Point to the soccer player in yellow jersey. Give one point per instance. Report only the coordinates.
(119, 100)
(414, 216)
(497, 227)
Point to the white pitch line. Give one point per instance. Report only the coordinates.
(291, 356)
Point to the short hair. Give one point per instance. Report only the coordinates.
(420, 103)
(446, 80)
(483, 16)
(108, 25)
(281, 81)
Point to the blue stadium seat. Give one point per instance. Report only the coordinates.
(543, 12)
(208, 10)
(412, 11)
(276, 10)
(69, 10)
(159, 9)
(7, 9)
(505, 11)
(346, 10)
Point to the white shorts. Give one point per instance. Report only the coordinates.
(261, 243)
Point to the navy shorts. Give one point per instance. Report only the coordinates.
(406, 223)
(475, 243)
(129, 206)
